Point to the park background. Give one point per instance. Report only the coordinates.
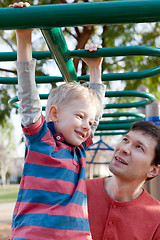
(11, 137)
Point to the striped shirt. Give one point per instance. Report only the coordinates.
(52, 202)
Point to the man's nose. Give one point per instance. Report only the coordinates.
(125, 148)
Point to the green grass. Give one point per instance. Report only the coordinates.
(8, 194)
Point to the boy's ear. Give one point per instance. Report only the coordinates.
(53, 113)
(154, 171)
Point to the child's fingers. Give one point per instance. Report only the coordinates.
(26, 4)
(20, 4)
(87, 47)
(99, 46)
(23, 4)
(13, 5)
(96, 46)
(92, 47)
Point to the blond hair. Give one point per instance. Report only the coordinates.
(65, 93)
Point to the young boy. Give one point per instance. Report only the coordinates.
(52, 202)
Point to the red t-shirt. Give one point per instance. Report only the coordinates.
(138, 219)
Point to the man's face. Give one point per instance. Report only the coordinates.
(133, 156)
(74, 121)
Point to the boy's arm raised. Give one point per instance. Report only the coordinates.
(30, 106)
(24, 45)
(95, 65)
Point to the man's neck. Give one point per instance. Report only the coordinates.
(122, 191)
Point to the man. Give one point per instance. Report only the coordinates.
(119, 208)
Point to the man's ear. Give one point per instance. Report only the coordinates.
(154, 171)
(53, 113)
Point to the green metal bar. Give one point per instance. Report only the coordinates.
(121, 51)
(105, 77)
(117, 51)
(129, 93)
(137, 117)
(108, 133)
(120, 126)
(150, 98)
(103, 52)
(131, 75)
(12, 56)
(124, 114)
(39, 80)
(77, 14)
(119, 121)
(127, 75)
(57, 45)
(128, 105)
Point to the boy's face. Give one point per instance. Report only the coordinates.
(133, 157)
(74, 121)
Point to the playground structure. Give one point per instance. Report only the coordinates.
(51, 18)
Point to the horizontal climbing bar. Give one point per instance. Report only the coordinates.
(108, 133)
(39, 80)
(103, 52)
(78, 14)
(105, 77)
(134, 117)
(127, 75)
(117, 51)
(122, 51)
(119, 121)
(124, 114)
(12, 56)
(120, 126)
(130, 93)
(62, 56)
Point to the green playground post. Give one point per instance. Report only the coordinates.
(58, 47)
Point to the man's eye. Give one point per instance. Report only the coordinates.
(125, 140)
(140, 147)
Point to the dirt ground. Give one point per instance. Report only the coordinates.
(6, 211)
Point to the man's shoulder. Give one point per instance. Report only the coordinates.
(150, 199)
(94, 183)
